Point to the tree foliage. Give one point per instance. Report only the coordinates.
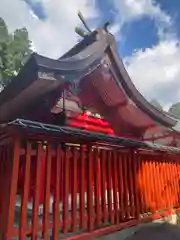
(174, 110)
(15, 49)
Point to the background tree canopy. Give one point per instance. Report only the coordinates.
(174, 110)
(15, 49)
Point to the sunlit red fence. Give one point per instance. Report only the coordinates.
(52, 190)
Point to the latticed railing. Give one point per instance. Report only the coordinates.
(54, 189)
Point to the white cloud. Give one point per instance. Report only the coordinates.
(130, 10)
(55, 35)
(156, 71)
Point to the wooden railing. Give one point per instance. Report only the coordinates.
(55, 190)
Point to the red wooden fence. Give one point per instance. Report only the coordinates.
(52, 190)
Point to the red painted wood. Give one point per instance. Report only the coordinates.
(74, 189)
(176, 188)
(131, 180)
(90, 191)
(135, 184)
(115, 186)
(66, 190)
(97, 187)
(130, 183)
(103, 185)
(47, 196)
(121, 187)
(142, 183)
(25, 193)
(165, 194)
(153, 185)
(37, 189)
(2, 169)
(147, 183)
(56, 210)
(168, 192)
(139, 182)
(2, 173)
(109, 186)
(126, 189)
(9, 192)
(82, 189)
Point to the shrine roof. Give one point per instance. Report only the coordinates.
(94, 61)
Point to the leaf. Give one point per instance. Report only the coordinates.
(15, 49)
(3, 30)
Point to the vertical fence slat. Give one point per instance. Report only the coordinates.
(143, 172)
(130, 183)
(56, 210)
(90, 191)
(25, 192)
(74, 190)
(1, 177)
(140, 194)
(162, 182)
(66, 190)
(135, 184)
(109, 186)
(152, 182)
(115, 187)
(36, 192)
(178, 172)
(147, 184)
(158, 186)
(46, 209)
(3, 163)
(177, 187)
(121, 188)
(126, 189)
(169, 185)
(97, 185)
(103, 185)
(82, 188)
(10, 189)
(165, 197)
(175, 182)
(155, 184)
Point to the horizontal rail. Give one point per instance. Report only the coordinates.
(36, 127)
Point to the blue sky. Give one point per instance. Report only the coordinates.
(138, 34)
(147, 35)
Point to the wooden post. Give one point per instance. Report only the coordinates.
(9, 192)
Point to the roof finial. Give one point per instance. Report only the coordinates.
(79, 30)
(106, 25)
(83, 21)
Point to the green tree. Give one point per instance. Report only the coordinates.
(15, 49)
(174, 110)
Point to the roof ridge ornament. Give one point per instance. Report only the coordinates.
(79, 30)
(81, 17)
(83, 33)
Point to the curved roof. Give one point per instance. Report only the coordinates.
(93, 65)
